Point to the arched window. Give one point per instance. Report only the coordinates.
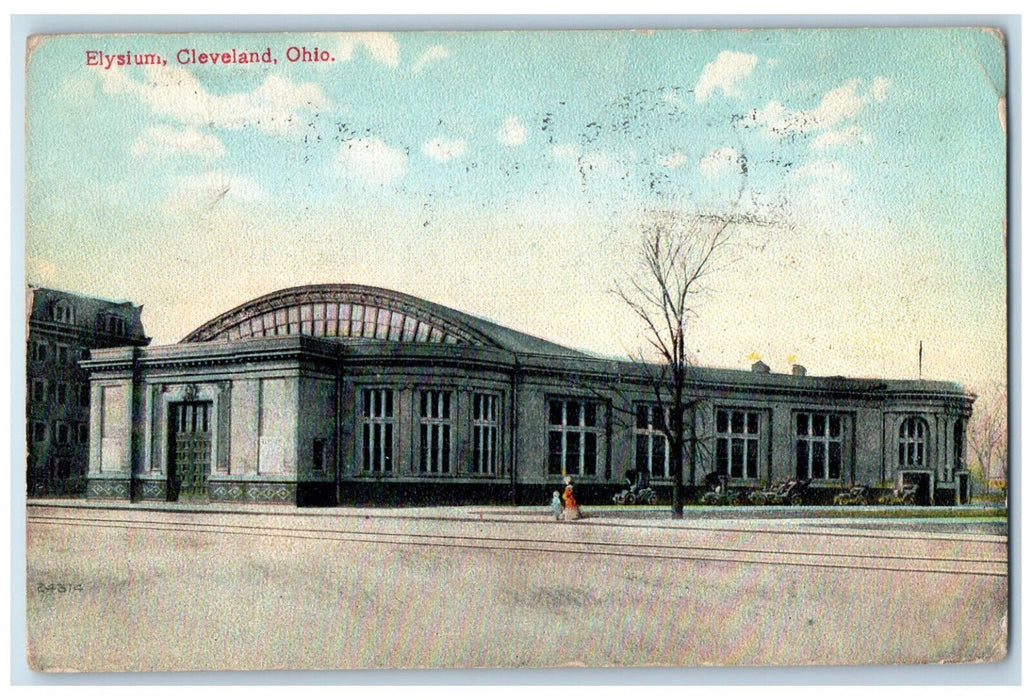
(62, 312)
(913, 445)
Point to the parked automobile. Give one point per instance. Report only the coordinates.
(791, 492)
(762, 496)
(637, 491)
(856, 496)
(723, 497)
(719, 493)
(906, 496)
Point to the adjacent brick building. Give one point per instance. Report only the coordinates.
(62, 330)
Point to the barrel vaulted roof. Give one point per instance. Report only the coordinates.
(355, 313)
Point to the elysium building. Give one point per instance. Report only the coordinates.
(350, 394)
(62, 330)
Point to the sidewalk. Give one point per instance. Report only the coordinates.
(659, 514)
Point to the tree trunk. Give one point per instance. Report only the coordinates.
(677, 430)
(691, 453)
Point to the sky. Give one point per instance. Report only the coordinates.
(509, 175)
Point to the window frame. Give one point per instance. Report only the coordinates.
(728, 438)
(481, 465)
(63, 312)
(435, 413)
(820, 438)
(651, 432)
(376, 431)
(565, 430)
(319, 450)
(62, 433)
(38, 350)
(904, 454)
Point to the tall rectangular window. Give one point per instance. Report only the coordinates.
(377, 430)
(573, 437)
(319, 455)
(435, 432)
(818, 446)
(737, 445)
(651, 447)
(38, 350)
(485, 433)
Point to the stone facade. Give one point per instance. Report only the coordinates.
(349, 394)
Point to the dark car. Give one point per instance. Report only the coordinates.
(720, 494)
(856, 496)
(791, 492)
(906, 496)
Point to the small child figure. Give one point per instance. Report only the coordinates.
(557, 506)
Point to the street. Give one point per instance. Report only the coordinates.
(221, 588)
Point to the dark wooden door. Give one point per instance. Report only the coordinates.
(190, 450)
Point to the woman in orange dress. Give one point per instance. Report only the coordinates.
(571, 511)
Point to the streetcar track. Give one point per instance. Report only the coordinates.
(585, 543)
(544, 517)
(665, 552)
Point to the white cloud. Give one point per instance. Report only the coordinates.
(160, 141)
(443, 150)
(837, 105)
(879, 88)
(723, 73)
(672, 160)
(512, 132)
(212, 187)
(718, 162)
(840, 137)
(371, 161)
(434, 53)
(275, 106)
(381, 46)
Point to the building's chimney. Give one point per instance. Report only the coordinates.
(760, 367)
(798, 371)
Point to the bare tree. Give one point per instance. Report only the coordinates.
(987, 436)
(676, 255)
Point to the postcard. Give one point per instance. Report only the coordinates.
(524, 349)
